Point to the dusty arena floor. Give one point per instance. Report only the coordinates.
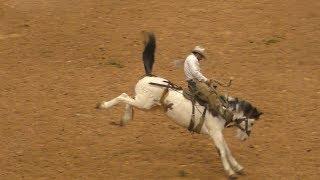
(59, 58)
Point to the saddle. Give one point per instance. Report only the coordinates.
(192, 97)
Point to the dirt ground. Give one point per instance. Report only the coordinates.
(59, 58)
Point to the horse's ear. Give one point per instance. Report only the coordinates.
(259, 114)
(255, 113)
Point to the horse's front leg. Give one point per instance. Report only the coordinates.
(220, 144)
(235, 165)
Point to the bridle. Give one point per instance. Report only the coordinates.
(237, 123)
(245, 129)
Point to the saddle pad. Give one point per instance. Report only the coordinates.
(187, 94)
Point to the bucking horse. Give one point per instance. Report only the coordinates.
(151, 91)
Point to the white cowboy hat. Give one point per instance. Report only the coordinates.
(200, 50)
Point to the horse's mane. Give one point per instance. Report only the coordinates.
(246, 107)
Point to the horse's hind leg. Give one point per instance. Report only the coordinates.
(140, 102)
(112, 102)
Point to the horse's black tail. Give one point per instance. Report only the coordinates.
(148, 53)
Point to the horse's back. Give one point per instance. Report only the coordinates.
(154, 79)
(143, 86)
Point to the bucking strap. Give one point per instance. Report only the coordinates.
(168, 85)
(163, 97)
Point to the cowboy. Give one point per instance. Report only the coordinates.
(199, 85)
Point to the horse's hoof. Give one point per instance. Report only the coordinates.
(232, 176)
(241, 172)
(98, 105)
(114, 123)
(122, 123)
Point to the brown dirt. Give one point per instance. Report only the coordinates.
(58, 58)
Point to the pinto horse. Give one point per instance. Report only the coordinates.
(151, 91)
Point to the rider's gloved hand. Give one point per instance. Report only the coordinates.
(208, 82)
(211, 83)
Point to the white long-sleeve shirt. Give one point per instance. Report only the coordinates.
(192, 69)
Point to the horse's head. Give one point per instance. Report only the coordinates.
(246, 115)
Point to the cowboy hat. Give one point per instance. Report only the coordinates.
(199, 50)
